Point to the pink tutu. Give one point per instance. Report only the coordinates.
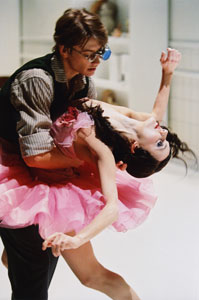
(64, 200)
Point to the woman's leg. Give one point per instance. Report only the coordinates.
(4, 258)
(92, 274)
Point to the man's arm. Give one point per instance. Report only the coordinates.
(32, 95)
(53, 159)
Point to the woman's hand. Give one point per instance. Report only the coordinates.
(170, 60)
(60, 242)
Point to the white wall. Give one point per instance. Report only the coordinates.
(149, 36)
(9, 32)
(184, 21)
(184, 102)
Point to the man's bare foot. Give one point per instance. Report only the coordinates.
(4, 258)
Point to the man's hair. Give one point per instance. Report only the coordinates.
(76, 27)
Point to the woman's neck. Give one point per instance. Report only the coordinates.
(121, 122)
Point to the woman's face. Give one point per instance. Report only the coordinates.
(152, 138)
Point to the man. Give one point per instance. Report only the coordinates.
(33, 97)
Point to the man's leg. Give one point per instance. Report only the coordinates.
(30, 269)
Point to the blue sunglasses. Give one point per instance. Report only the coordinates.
(107, 53)
(103, 53)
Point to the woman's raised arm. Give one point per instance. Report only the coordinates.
(169, 63)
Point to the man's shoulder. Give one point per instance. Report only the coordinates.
(32, 74)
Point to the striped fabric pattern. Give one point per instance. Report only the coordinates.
(32, 93)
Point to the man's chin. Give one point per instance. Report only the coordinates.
(91, 72)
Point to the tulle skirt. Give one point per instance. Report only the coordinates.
(65, 200)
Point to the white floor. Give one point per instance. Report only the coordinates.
(160, 259)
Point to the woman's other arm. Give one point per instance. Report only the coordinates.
(107, 169)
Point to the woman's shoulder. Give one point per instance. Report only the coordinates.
(65, 129)
(86, 132)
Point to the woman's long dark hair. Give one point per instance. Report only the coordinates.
(140, 163)
(143, 164)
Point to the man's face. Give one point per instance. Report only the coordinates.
(80, 59)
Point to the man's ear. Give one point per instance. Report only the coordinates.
(63, 51)
(133, 146)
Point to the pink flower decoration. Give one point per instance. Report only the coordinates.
(68, 118)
